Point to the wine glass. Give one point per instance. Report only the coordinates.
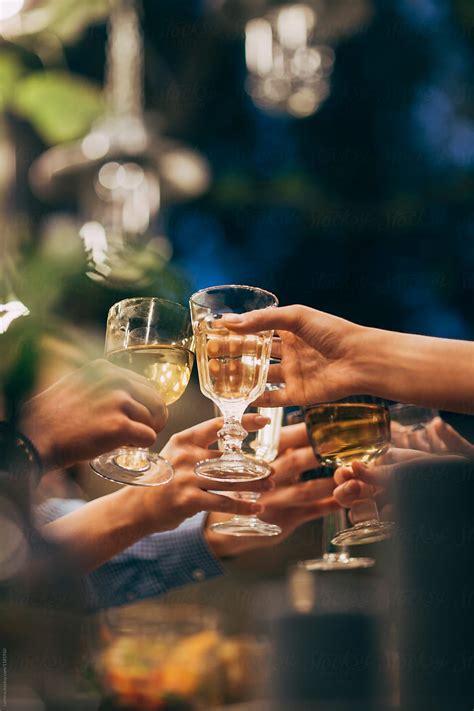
(334, 558)
(262, 444)
(344, 432)
(411, 419)
(232, 373)
(152, 337)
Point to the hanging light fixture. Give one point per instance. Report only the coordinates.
(289, 48)
(123, 169)
(288, 72)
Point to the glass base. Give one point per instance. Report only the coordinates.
(363, 533)
(232, 469)
(337, 561)
(246, 526)
(150, 469)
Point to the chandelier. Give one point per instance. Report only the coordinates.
(123, 169)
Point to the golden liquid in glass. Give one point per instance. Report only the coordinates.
(167, 367)
(341, 433)
(232, 367)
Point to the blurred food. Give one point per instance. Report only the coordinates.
(165, 669)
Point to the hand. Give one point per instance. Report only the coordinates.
(165, 507)
(361, 481)
(436, 438)
(104, 527)
(91, 411)
(318, 361)
(290, 505)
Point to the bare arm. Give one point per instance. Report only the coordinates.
(325, 358)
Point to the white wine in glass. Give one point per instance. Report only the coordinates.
(344, 432)
(153, 338)
(232, 373)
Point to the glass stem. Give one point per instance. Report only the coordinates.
(232, 433)
(246, 496)
(332, 524)
(364, 511)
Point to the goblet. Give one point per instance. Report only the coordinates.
(344, 432)
(232, 373)
(153, 337)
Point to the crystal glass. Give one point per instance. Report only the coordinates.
(348, 431)
(263, 445)
(232, 373)
(333, 558)
(412, 418)
(152, 337)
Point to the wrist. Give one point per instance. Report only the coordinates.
(18, 454)
(371, 361)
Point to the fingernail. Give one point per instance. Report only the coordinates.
(260, 419)
(268, 484)
(256, 508)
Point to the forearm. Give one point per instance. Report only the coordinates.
(434, 372)
(101, 529)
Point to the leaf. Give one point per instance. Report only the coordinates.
(61, 106)
(11, 68)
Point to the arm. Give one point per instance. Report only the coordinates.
(326, 358)
(105, 527)
(150, 567)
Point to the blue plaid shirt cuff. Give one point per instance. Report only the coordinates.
(151, 566)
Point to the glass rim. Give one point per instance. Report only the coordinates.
(306, 408)
(136, 299)
(192, 298)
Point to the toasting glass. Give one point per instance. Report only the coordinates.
(232, 373)
(344, 432)
(152, 337)
(333, 558)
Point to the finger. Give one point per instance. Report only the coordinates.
(138, 412)
(318, 509)
(146, 395)
(299, 494)
(205, 501)
(291, 464)
(396, 455)
(286, 318)
(276, 374)
(273, 398)
(454, 442)
(349, 492)
(293, 436)
(138, 435)
(205, 433)
(376, 476)
(343, 474)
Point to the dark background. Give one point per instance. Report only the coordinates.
(364, 209)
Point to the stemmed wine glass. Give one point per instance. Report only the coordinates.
(153, 337)
(347, 431)
(334, 558)
(262, 444)
(232, 373)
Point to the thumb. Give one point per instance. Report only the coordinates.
(286, 318)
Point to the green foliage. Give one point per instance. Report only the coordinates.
(11, 69)
(60, 105)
